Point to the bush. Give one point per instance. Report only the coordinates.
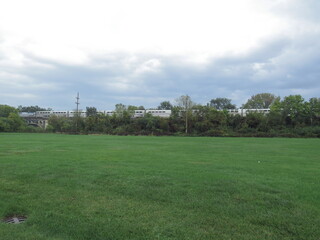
(214, 133)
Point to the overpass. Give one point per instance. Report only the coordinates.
(32, 120)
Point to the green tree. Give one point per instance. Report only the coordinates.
(4, 125)
(5, 110)
(91, 111)
(209, 120)
(314, 109)
(186, 105)
(32, 108)
(176, 123)
(56, 123)
(122, 115)
(165, 105)
(120, 109)
(293, 109)
(254, 119)
(222, 103)
(16, 122)
(132, 108)
(260, 101)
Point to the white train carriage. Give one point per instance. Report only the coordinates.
(108, 112)
(27, 114)
(244, 112)
(159, 113)
(139, 113)
(47, 114)
(77, 113)
(44, 114)
(60, 113)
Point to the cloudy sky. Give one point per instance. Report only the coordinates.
(143, 52)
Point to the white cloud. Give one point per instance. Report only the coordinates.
(19, 96)
(149, 66)
(147, 50)
(70, 30)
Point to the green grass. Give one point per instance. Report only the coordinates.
(111, 187)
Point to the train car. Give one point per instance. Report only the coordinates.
(75, 113)
(44, 114)
(27, 114)
(60, 113)
(233, 111)
(139, 113)
(48, 114)
(244, 112)
(136, 114)
(159, 113)
(109, 112)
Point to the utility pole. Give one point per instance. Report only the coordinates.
(186, 121)
(77, 112)
(188, 105)
(77, 102)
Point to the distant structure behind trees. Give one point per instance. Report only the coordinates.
(262, 115)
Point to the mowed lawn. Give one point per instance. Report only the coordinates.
(113, 187)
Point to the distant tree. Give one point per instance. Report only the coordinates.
(186, 104)
(208, 119)
(4, 125)
(122, 114)
(58, 124)
(293, 109)
(293, 105)
(5, 110)
(16, 122)
(10, 121)
(91, 111)
(165, 105)
(236, 122)
(222, 103)
(32, 109)
(120, 108)
(260, 101)
(254, 119)
(276, 118)
(314, 109)
(132, 108)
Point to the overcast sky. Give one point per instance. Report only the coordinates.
(143, 52)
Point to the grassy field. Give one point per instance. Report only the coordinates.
(112, 187)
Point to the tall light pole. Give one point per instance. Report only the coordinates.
(77, 102)
(77, 112)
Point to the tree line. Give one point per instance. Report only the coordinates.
(292, 116)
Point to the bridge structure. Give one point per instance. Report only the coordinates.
(36, 121)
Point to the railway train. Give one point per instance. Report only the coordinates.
(136, 113)
(244, 112)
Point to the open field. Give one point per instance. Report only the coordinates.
(111, 187)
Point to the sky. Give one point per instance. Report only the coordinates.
(144, 52)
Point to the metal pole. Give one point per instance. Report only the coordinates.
(77, 102)
(77, 112)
